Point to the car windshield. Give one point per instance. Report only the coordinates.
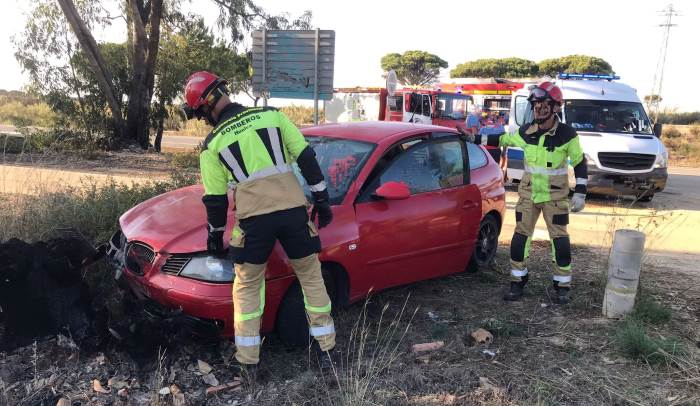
(340, 160)
(452, 106)
(607, 116)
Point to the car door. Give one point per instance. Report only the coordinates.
(431, 232)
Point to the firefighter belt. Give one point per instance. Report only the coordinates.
(252, 241)
(556, 215)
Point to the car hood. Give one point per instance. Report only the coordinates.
(173, 222)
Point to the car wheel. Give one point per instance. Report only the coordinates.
(486, 244)
(292, 326)
(645, 198)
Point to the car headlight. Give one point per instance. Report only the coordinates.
(661, 160)
(208, 268)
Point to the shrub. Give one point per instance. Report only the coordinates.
(634, 342)
(93, 209)
(185, 160)
(301, 115)
(695, 130)
(671, 132)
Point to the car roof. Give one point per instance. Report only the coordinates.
(371, 131)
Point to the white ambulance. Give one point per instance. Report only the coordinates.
(624, 153)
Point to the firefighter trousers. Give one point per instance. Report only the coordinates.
(556, 215)
(252, 241)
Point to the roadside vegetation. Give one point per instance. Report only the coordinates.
(683, 143)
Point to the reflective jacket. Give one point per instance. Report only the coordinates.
(548, 155)
(253, 147)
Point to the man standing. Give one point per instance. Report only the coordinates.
(549, 147)
(256, 147)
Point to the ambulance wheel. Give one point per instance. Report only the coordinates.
(486, 244)
(292, 327)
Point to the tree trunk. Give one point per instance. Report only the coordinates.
(92, 51)
(145, 52)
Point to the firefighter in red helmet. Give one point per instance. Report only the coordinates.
(256, 147)
(549, 147)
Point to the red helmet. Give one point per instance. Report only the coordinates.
(199, 87)
(544, 91)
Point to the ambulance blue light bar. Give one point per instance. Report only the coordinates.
(587, 76)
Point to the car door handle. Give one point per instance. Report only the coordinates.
(470, 204)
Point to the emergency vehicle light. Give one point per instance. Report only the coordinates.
(587, 76)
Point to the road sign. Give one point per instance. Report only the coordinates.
(294, 64)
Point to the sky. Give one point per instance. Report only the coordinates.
(625, 33)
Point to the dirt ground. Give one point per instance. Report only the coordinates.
(541, 354)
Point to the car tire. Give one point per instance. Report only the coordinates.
(292, 327)
(486, 244)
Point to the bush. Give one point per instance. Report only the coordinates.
(35, 115)
(634, 342)
(680, 118)
(185, 160)
(695, 130)
(671, 132)
(301, 115)
(93, 209)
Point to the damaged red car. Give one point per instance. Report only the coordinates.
(410, 202)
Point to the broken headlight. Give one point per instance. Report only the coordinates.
(138, 256)
(209, 269)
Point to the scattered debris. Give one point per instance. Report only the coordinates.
(97, 386)
(210, 379)
(482, 336)
(235, 385)
(66, 342)
(178, 396)
(123, 393)
(486, 384)
(489, 353)
(63, 402)
(164, 391)
(116, 383)
(436, 345)
(204, 368)
(556, 341)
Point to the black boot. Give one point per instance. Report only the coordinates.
(562, 296)
(517, 289)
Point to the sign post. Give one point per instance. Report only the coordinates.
(294, 65)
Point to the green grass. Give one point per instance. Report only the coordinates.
(502, 328)
(634, 342)
(649, 311)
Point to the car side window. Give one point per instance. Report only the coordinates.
(477, 158)
(428, 166)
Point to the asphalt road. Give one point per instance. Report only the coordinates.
(671, 221)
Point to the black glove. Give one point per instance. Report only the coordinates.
(322, 207)
(215, 244)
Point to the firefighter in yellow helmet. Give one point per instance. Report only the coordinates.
(256, 147)
(549, 147)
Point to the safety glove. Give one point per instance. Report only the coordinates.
(322, 207)
(578, 201)
(215, 243)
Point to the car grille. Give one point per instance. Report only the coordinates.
(626, 161)
(174, 264)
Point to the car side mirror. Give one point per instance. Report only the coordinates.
(657, 129)
(392, 191)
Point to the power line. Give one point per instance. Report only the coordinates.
(655, 97)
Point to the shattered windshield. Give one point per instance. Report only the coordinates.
(607, 116)
(340, 160)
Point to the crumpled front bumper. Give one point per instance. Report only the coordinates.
(610, 183)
